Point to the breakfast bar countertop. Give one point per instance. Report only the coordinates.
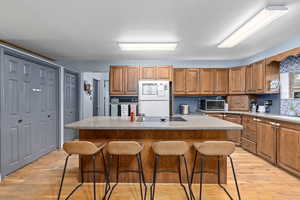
(193, 122)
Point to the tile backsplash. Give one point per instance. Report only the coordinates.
(290, 106)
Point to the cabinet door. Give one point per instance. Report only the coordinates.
(266, 141)
(234, 135)
(272, 72)
(164, 73)
(192, 81)
(116, 79)
(131, 76)
(249, 84)
(221, 81)
(288, 149)
(258, 77)
(237, 82)
(179, 82)
(207, 81)
(148, 72)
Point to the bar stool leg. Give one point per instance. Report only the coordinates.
(106, 176)
(188, 180)
(141, 176)
(152, 188)
(202, 164)
(117, 176)
(180, 178)
(194, 166)
(94, 175)
(235, 180)
(219, 180)
(63, 177)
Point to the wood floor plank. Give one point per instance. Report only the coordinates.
(258, 180)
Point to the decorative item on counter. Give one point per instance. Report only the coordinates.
(132, 118)
(124, 110)
(261, 109)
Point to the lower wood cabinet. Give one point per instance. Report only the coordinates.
(249, 135)
(234, 135)
(266, 140)
(288, 150)
(248, 145)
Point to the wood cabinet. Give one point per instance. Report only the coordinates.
(249, 136)
(239, 102)
(288, 150)
(123, 80)
(234, 135)
(116, 80)
(148, 72)
(179, 81)
(164, 72)
(272, 73)
(207, 81)
(156, 72)
(255, 78)
(266, 140)
(131, 75)
(237, 83)
(250, 88)
(186, 81)
(221, 77)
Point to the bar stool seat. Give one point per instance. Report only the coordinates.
(84, 148)
(215, 148)
(170, 148)
(124, 148)
(127, 148)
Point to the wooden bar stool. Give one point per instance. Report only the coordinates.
(127, 148)
(84, 148)
(170, 148)
(213, 149)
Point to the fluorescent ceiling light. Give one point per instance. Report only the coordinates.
(147, 46)
(260, 20)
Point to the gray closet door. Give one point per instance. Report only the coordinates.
(30, 93)
(18, 134)
(70, 104)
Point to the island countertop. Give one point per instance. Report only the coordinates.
(194, 122)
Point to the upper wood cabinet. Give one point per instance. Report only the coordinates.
(186, 81)
(192, 81)
(179, 81)
(131, 80)
(164, 72)
(156, 72)
(266, 141)
(148, 72)
(272, 73)
(123, 80)
(116, 80)
(250, 88)
(237, 83)
(207, 81)
(258, 76)
(288, 149)
(221, 81)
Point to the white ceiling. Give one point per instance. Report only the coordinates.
(90, 29)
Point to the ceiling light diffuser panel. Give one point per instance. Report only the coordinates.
(260, 20)
(148, 46)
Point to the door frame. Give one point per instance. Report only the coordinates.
(6, 50)
(78, 75)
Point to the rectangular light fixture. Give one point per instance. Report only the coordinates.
(147, 46)
(260, 20)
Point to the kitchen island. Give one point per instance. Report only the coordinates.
(196, 128)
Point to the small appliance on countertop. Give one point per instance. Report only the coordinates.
(212, 105)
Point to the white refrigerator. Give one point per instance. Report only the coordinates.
(154, 98)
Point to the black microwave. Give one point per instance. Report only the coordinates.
(212, 105)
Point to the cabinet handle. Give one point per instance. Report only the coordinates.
(258, 120)
(272, 123)
(277, 124)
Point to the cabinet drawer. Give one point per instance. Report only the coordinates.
(250, 126)
(249, 135)
(248, 145)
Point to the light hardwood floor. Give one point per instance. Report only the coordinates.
(258, 180)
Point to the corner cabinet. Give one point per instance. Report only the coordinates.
(237, 84)
(123, 80)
